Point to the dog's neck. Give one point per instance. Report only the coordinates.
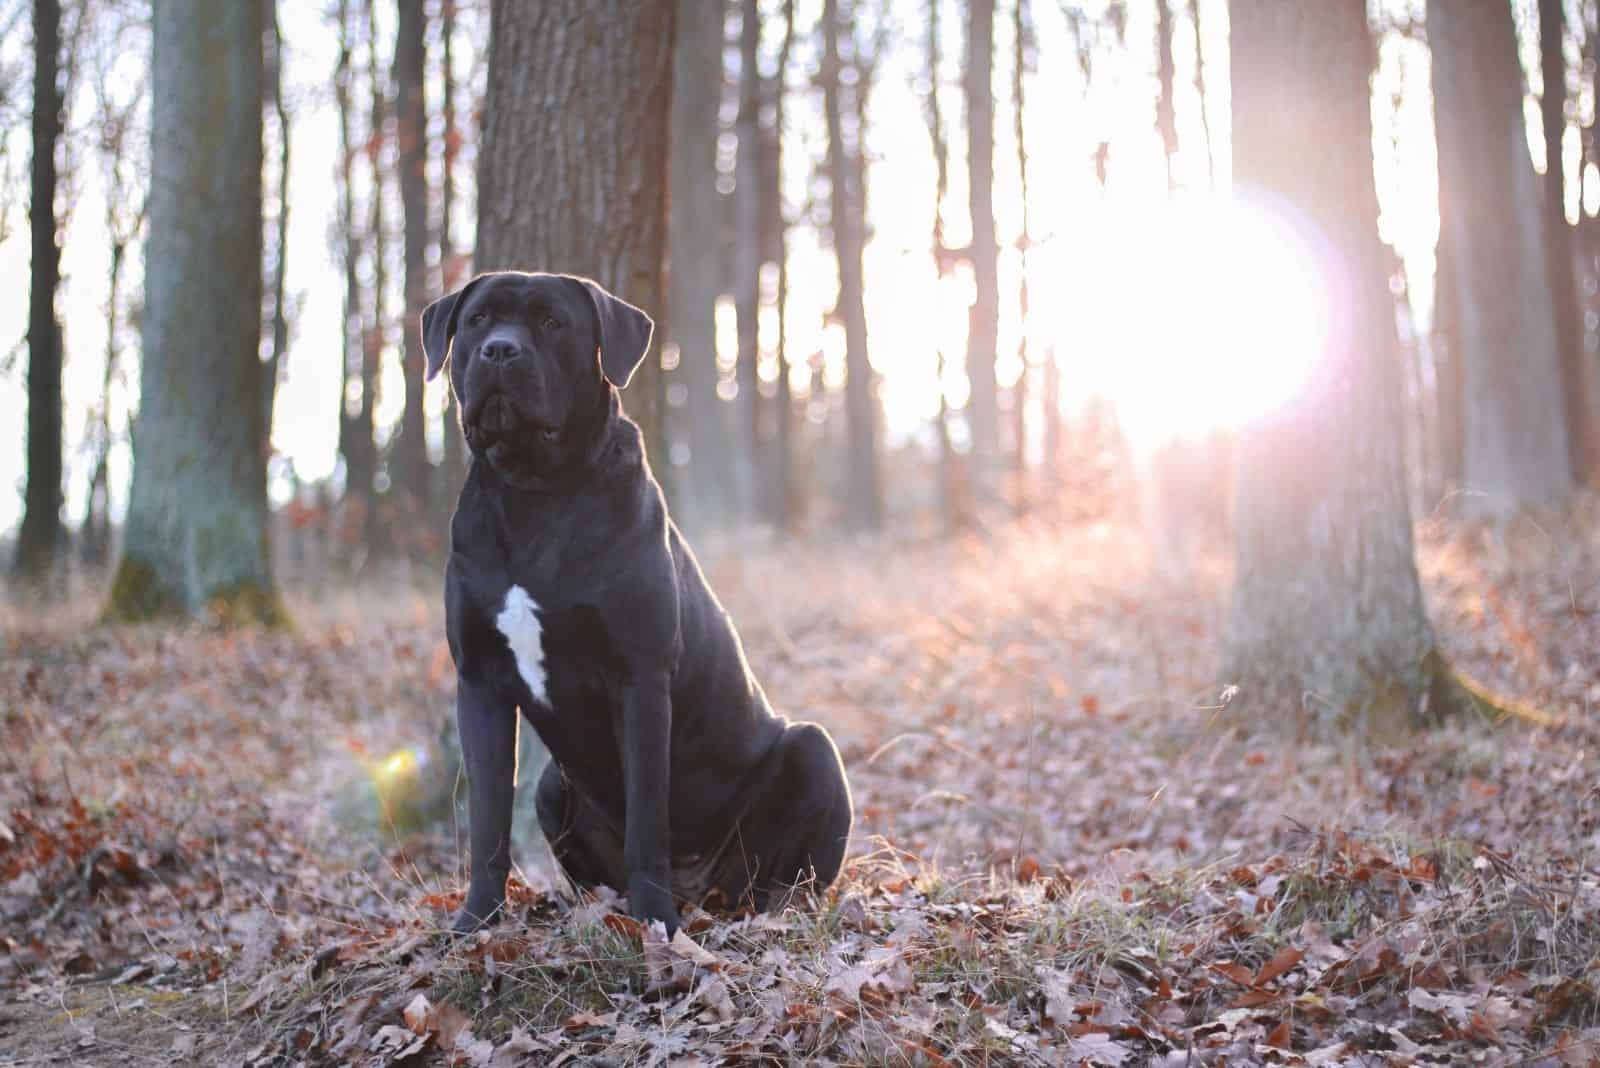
(601, 435)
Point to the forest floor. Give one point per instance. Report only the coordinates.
(1059, 857)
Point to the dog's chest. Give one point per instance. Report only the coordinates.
(558, 648)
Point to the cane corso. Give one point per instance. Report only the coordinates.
(571, 595)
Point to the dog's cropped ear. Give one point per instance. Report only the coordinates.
(624, 333)
(439, 327)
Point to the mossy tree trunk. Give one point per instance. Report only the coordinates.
(572, 173)
(1326, 627)
(196, 538)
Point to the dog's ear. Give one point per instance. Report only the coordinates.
(624, 333)
(439, 327)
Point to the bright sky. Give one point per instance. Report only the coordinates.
(1140, 300)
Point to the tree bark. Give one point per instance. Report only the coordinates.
(984, 317)
(1575, 370)
(355, 426)
(1516, 426)
(864, 494)
(454, 468)
(376, 535)
(1326, 627)
(747, 257)
(785, 508)
(196, 536)
(573, 172)
(1021, 34)
(273, 370)
(409, 455)
(41, 538)
(696, 257)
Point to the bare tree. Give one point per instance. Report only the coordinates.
(1516, 427)
(278, 319)
(846, 167)
(984, 254)
(696, 259)
(785, 508)
(1166, 111)
(409, 467)
(1575, 371)
(356, 443)
(747, 255)
(42, 537)
(601, 172)
(196, 536)
(1022, 46)
(1327, 627)
(454, 466)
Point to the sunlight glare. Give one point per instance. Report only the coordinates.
(1201, 317)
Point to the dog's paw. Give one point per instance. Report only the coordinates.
(648, 900)
(475, 916)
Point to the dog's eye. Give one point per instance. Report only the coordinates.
(476, 319)
(551, 323)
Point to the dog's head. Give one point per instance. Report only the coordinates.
(532, 359)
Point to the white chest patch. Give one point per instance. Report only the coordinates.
(519, 622)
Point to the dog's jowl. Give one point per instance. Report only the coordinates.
(571, 596)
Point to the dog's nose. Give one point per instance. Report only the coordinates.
(499, 351)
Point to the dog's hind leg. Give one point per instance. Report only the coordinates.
(794, 835)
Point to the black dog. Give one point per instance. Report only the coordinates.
(571, 595)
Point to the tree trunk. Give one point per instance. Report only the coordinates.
(1166, 112)
(864, 494)
(581, 187)
(747, 255)
(1326, 627)
(984, 317)
(196, 535)
(41, 538)
(1575, 372)
(409, 456)
(1021, 34)
(785, 508)
(274, 369)
(1200, 91)
(355, 427)
(376, 534)
(1516, 427)
(696, 257)
(1450, 428)
(454, 468)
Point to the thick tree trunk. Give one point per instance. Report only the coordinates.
(696, 258)
(197, 520)
(41, 538)
(747, 256)
(984, 319)
(1516, 426)
(1575, 370)
(864, 494)
(573, 169)
(408, 462)
(1326, 627)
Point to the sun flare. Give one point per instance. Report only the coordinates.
(1200, 317)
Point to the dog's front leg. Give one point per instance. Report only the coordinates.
(646, 760)
(488, 727)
